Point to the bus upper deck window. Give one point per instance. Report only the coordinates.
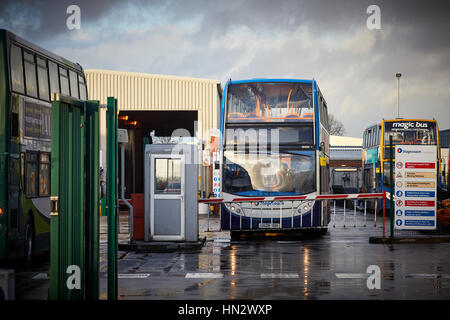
(42, 79)
(73, 84)
(54, 79)
(83, 95)
(17, 69)
(30, 75)
(64, 80)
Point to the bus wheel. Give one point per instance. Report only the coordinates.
(29, 238)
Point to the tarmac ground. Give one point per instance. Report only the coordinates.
(341, 264)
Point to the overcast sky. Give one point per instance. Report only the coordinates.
(326, 40)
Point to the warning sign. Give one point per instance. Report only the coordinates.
(415, 172)
(420, 184)
(419, 165)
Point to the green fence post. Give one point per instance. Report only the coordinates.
(391, 184)
(111, 190)
(78, 213)
(54, 188)
(92, 200)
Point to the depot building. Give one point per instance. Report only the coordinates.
(152, 106)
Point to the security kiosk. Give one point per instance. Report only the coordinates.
(170, 179)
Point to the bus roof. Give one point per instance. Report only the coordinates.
(270, 80)
(42, 51)
(398, 119)
(401, 119)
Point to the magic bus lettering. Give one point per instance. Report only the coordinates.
(408, 125)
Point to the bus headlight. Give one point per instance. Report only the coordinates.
(304, 207)
(235, 208)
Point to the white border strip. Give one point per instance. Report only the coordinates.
(279, 275)
(203, 275)
(352, 275)
(133, 275)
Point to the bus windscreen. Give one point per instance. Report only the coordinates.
(270, 174)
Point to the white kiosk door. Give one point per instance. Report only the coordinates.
(167, 214)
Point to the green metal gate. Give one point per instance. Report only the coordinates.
(74, 251)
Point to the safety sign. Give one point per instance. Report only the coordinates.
(415, 188)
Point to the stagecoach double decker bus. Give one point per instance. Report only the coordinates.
(376, 167)
(29, 77)
(275, 143)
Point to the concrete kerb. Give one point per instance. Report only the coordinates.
(141, 246)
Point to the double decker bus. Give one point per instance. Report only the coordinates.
(30, 76)
(376, 166)
(274, 143)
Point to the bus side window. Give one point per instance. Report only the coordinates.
(327, 124)
(17, 69)
(73, 84)
(379, 136)
(30, 75)
(364, 139)
(31, 172)
(374, 136)
(54, 79)
(42, 74)
(64, 80)
(82, 84)
(44, 175)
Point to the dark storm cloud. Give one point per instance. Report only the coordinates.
(327, 40)
(51, 15)
(425, 22)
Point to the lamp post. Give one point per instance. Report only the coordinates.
(398, 75)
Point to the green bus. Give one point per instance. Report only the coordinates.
(30, 76)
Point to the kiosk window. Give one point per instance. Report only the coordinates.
(167, 176)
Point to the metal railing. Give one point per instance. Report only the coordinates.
(334, 197)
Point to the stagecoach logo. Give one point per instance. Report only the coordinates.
(412, 124)
(399, 150)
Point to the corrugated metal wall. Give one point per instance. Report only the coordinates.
(140, 91)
